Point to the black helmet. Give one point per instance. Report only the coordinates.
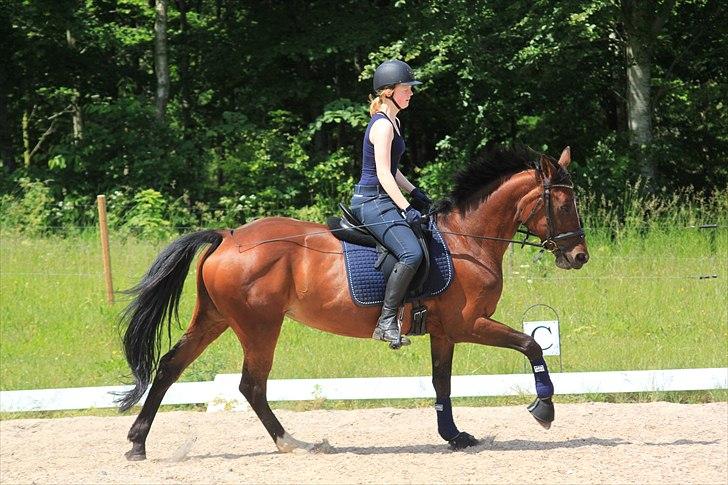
(393, 72)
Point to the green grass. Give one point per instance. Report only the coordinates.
(636, 305)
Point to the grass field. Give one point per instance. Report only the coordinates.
(638, 304)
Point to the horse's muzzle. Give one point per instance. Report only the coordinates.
(572, 259)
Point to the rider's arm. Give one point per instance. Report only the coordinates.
(381, 136)
(403, 182)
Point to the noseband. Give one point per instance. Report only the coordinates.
(551, 241)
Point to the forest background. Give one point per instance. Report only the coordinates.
(214, 112)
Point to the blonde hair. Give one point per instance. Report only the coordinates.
(375, 102)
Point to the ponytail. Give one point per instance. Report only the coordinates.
(375, 102)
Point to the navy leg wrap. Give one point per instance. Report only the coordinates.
(445, 424)
(544, 387)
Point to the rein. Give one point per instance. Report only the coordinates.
(550, 243)
(523, 242)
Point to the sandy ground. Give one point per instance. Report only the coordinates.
(589, 443)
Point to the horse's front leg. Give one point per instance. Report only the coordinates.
(442, 351)
(490, 332)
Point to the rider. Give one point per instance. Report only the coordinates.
(378, 200)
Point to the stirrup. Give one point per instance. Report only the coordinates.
(395, 342)
(403, 342)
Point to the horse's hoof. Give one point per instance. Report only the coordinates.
(462, 441)
(131, 456)
(543, 411)
(137, 453)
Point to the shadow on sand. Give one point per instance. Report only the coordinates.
(487, 443)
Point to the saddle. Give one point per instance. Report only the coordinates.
(349, 230)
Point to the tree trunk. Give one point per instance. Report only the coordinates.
(76, 108)
(184, 69)
(639, 82)
(77, 118)
(26, 138)
(161, 64)
(6, 145)
(642, 22)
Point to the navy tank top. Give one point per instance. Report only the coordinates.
(368, 165)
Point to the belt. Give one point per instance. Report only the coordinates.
(368, 190)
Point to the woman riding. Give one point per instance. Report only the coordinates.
(378, 201)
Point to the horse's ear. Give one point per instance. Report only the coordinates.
(547, 167)
(565, 158)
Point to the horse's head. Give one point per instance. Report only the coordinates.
(549, 211)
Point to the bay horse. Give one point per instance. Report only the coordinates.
(252, 277)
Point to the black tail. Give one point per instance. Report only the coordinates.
(156, 299)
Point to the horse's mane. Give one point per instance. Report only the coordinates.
(490, 166)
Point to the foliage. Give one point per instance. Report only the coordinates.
(146, 216)
(268, 104)
(123, 146)
(31, 211)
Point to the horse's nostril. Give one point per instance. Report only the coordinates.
(581, 258)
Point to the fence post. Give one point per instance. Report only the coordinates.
(104, 231)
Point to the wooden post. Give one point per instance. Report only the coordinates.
(104, 230)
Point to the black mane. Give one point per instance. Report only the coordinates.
(491, 166)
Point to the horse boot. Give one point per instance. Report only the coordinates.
(388, 327)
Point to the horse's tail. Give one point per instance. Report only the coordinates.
(156, 299)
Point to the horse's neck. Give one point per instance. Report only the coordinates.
(496, 216)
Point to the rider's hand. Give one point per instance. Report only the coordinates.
(420, 200)
(412, 216)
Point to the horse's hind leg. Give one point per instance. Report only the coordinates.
(207, 324)
(259, 342)
(442, 350)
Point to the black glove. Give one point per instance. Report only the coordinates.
(412, 216)
(420, 200)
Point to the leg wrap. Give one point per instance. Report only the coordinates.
(544, 387)
(445, 424)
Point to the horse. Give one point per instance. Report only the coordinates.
(251, 278)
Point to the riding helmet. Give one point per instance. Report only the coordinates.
(393, 72)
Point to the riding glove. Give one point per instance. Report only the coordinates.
(412, 216)
(420, 200)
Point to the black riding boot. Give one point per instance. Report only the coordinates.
(387, 326)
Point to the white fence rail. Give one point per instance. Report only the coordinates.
(223, 394)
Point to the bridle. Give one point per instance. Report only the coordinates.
(551, 242)
(552, 239)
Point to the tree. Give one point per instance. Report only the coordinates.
(642, 21)
(262, 104)
(161, 62)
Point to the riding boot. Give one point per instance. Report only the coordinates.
(388, 326)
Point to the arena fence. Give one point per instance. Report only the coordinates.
(222, 393)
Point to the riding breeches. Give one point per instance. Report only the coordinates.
(383, 219)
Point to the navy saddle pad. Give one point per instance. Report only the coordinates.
(367, 283)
